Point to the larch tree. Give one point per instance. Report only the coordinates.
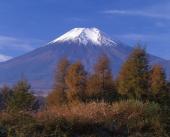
(76, 82)
(58, 94)
(100, 85)
(157, 79)
(158, 84)
(133, 78)
(160, 93)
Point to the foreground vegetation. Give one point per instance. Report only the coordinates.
(135, 104)
(126, 118)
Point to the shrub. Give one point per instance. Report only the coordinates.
(125, 118)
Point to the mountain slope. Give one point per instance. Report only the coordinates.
(84, 44)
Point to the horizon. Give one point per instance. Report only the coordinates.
(26, 26)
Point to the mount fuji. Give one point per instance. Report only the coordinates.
(84, 44)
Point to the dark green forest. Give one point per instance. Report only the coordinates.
(135, 103)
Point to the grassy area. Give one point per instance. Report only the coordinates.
(125, 118)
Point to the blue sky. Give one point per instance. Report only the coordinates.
(26, 25)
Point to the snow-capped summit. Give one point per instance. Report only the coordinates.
(85, 36)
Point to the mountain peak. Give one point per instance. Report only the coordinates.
(85, 36)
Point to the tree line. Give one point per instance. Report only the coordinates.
(137, 79)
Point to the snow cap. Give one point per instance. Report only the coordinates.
(85, 36)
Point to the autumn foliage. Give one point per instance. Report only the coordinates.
(135, 103)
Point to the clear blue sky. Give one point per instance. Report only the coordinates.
(28, 24)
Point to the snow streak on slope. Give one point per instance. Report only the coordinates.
(86, 36)
(4, 58)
